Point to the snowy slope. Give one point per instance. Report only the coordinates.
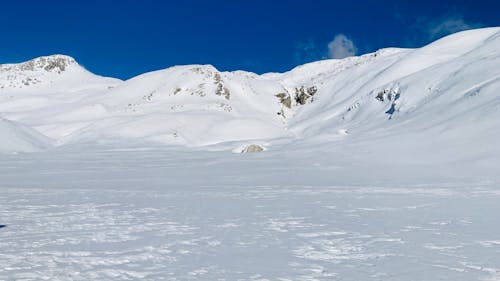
(447, 90)
(187, 105)
(47, 94)
(433, 76)
(16, 137)
(445, 109)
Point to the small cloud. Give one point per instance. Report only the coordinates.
(423, 29)
(307, 51)
(341, 47)
(445, 26)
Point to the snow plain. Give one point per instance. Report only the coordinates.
(170, 215)
(386, 168)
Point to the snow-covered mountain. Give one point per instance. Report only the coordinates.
(377, 167)
(47, 93)
(445, 93)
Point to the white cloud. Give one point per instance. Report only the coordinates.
(341, 47)
(307, 51)
(449, 25)
(423, 29)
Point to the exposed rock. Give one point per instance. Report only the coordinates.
(388, 94)
(227, 94)
(217, 78)
(58, 63)
(381, 96)
(149, 96)
(312, 90)
(285, 99)
(221, 90)
(354, 106)
(301, 96)
(252, 148)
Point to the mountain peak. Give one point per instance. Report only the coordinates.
(45, 71)
(53, 63)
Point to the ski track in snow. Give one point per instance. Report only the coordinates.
(250, 233)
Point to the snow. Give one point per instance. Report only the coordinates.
(384, 167)
(451, 81)
(18, 138)
(175, 215)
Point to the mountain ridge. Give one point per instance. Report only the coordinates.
(330, 101)
(58, 62)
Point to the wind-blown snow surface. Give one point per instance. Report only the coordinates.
(176, 215)
(378, 167)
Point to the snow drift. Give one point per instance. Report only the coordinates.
(19, 138)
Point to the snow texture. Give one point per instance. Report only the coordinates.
(169, 215)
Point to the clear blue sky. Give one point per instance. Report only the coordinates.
(125, 38)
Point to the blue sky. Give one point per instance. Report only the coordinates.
(126, 38)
